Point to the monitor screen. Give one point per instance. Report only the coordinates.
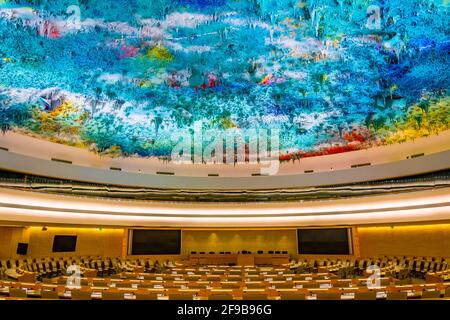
(323, 241)
(22, 248)
(64, 243)
(156, 242)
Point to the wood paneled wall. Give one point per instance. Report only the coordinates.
(417, 240)
(413, 240)
(238, 240)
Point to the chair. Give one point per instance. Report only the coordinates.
(17, 293)
(112, 295)
(254, 296)
(435, 294)
(220, 296)
(292, 295)
(81, 295)
(370, 295)
(397, 295)
(328, 296)
(180, 296)
(49, 295)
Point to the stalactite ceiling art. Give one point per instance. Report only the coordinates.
(128, 77)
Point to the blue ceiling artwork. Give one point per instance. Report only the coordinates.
(129, 77)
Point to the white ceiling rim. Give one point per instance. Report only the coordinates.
(45, 150)
(427, 163)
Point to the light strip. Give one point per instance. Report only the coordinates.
(42, 216)
(383, 202)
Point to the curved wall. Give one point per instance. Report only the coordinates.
(34, 156)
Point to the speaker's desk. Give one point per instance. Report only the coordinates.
(238, 259)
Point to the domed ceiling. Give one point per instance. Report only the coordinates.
(135, 77)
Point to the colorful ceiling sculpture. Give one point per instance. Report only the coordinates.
(128, 77)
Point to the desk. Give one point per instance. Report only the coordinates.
(239, 259)
(245, 260)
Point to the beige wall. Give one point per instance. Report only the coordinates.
(238, 240)
(9, 237)
(415, 240)
(90, 241)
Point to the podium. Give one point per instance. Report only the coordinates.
(245, 260)
(238, 259)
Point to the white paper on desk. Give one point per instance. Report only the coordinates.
(288, 278)
(112, 285)
(140, 278)
(269, 279)
(280, 272)
(159, 278)
(308, 278)
(299, 286)
(134, 285)
(190, 272)
(158, 286)
(350, 294)
(178, 279)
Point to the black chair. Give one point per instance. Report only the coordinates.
(201, 252)
(270, 252)
(260, 252)
(193, 252)
(211, 252)
(277, 252)
(284, 252)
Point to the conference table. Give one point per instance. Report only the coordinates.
(238, 259)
